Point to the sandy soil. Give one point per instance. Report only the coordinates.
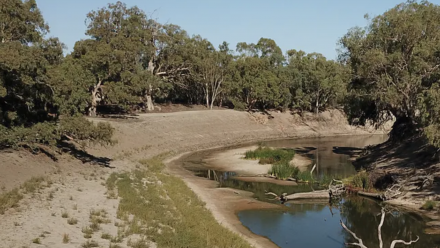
(78, 188)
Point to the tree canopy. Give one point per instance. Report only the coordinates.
(133, 62)
(395, 65)
(30, 103)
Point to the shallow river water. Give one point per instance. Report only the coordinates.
(316, 224)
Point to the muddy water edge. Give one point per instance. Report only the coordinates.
(240, 203)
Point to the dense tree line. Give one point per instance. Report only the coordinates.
(133, 62)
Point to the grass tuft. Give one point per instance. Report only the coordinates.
(36, 241)
(90, 244)
(72, 221)
(429, 205)
(106, 236)
(66, 238)
(65, 215)
(283, 171)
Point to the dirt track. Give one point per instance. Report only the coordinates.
(77, 184)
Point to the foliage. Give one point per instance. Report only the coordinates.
(33, 80)
(395, 67)
(315, 82)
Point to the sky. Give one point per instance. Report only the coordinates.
(308, 25)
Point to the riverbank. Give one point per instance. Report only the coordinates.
(75, 189)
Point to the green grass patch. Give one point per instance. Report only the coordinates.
(279, 158)
(174, 215)
(267, 155)
(429, 205)
(283, 171)
(361, 180)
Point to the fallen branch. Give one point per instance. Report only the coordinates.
(372, 195)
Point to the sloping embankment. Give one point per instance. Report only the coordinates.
(152, 134)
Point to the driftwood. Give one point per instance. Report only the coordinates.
(379, 233)
(333, 191)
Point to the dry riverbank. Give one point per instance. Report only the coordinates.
(74, 189)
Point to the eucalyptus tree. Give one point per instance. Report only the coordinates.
(257, 75)
(316, 83)
(395, 65)
(29, 110)
(132, 56)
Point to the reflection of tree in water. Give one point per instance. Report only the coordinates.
(362, 216)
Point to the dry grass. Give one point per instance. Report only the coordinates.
(173, 213)
(66, 238)
(72, 221)
(106, 236)
(12, 198)
(36, 241)
(90, 243)
(88, 232)
(65, 215)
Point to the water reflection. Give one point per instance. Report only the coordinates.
(329, 163)
(317, 225)
(309, 225)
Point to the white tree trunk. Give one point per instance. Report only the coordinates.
(150, 105)
(94, 100)
(207, 95)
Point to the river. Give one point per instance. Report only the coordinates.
(305, 224)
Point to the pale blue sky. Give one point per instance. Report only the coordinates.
(309, 25)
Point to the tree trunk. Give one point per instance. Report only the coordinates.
(207, 95)
(94, 101)
(317, 105)
(148, 93)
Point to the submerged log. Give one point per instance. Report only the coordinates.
(333, 191)
(372, 195)
(321, 194)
